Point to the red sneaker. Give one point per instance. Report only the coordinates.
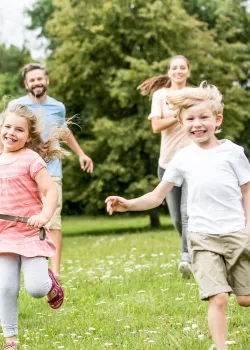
(56, 301)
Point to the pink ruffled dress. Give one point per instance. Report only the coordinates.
(20, 196)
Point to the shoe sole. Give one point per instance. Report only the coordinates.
(185, 271)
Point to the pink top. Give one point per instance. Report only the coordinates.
(173, 138)
(20, 196)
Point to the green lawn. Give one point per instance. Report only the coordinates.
(123, 291)
(120, 223)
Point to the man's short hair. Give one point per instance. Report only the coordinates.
(32, 66)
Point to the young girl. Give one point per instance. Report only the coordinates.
(173, 138)
(23, 176)
(218, 178)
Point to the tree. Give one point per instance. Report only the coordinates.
(103, 51)
(230, 21)
(11, 84)
(40, 13)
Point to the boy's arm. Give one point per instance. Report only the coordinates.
(48, 189)
(148, 201)
(245, 190)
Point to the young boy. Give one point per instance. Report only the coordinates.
(218, 178)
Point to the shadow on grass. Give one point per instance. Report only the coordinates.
(118, 231)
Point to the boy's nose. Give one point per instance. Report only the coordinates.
(197, 123)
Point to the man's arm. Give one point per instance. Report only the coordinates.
(85, 162)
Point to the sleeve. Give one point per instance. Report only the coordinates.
(36, 163)
(63, 116)
(242, 167)
(173, 173)
(156, 105)
(63, 111)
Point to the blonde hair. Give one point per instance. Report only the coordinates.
(191, 96)
(150, 85)
(46, 149)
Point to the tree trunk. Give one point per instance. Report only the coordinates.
(154, 218)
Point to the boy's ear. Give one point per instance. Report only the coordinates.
(219, 119)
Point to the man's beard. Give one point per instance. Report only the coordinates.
(40, 94)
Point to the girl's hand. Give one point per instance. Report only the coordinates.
(115, 203)
(37, 221)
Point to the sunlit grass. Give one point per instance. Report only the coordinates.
(115, 224)
(123, 291)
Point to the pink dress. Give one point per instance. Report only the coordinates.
(20, 196)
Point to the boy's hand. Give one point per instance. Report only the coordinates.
(37, 221)
(115, 203)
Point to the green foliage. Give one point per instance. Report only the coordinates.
(40, 13)
(125, 157)
(231, 24)
(104, 50)
(11, 84)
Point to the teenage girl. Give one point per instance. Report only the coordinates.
(173, 138)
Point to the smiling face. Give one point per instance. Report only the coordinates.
(14, 133)
(36, 82)
(178, 72)
(200, 122)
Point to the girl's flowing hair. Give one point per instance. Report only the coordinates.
(185, 98)
(150, 85)
(46, 149)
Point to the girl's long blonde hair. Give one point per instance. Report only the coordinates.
(46, 149)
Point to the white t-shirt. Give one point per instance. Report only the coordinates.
(214, 178)
(173, 138)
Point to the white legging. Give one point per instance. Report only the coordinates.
(36, 280)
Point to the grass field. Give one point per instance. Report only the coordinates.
(123, 291)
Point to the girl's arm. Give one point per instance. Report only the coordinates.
(159, 124)
(148, 201)
(158, 121)
(49, 191)
(245, 190)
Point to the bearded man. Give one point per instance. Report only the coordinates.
(52, 114)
